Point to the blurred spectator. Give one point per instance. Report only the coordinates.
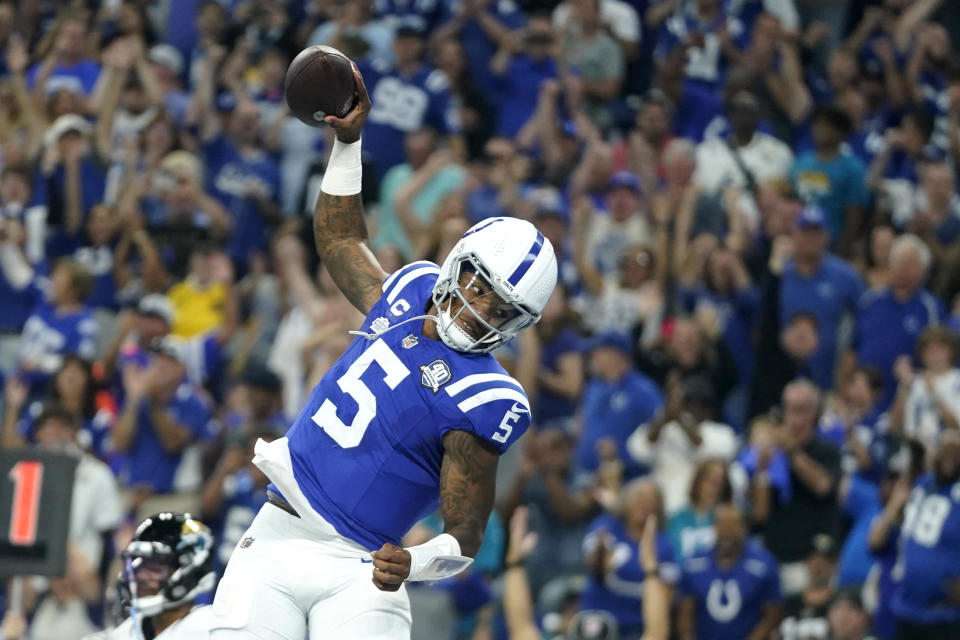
(61, 325)
(560, 376)
(177, 214)
(895, 171)
(618, 18)
(411, 193)
(560, 502)
(615, 400)
(805, 614)
(833, 179)
(732, 591)
(240, 174)
(688, 353)
(65, 63)
(727, 302)
(745, 158)
(205, 299)
(233, 495)
(927, 403)
(595, 60)
(701, 39)
(499, 174)
(520, 67)
(847, 618)
(643, 149)
(356, 20)
(936, 221)
(607, 233)
(482, 26)
(682, 435)
(161, 415)
(616, 578)
(855, 423)
(820, 283)
(70, 180)
(691, 529)
(924, 600)
(73, 389)
(474, 107)
(889, 320)
(804, 504)
(406, 96)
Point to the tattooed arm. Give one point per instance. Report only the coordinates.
(338, 225)
(468, 478)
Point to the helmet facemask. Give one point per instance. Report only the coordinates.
(189, 573)
(446, 293)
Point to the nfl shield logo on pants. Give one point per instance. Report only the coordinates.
(435, 375)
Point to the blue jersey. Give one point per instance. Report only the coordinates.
(367, 447)
(828, 294)
(707, 64)
(929, 556)
(730, 601)
(242, 498)
(49, 335)
(231, 174)
(886, 328)
(402, 104)
(860, 506)
(621, 590)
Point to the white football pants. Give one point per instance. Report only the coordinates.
(282, 581)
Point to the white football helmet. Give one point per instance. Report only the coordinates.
(515, 261)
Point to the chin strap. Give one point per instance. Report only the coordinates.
(379, 332)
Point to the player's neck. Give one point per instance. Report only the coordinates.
(430, 326)
(164, 619)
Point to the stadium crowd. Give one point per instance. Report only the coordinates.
(754, 342)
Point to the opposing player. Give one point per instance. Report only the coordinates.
(167, 565)
(415, 412)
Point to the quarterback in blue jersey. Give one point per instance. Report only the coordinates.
(413, 416)
(733, 591)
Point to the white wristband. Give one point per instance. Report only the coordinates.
(436, 559)
(344, 172)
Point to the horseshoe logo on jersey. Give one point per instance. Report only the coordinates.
(723, 600)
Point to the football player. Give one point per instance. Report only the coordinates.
(414, 414)
(167, 565)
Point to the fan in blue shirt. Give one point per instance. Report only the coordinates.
(817, 282)
(70, 68)
(695, 34)
(616, 401)
(928, 568)
(406, 97)
(611, 547)
(519, 75)
(732, 592)
(162, 414)
(59, 326)
(245, 179)
(890, 319)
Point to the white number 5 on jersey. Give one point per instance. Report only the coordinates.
(350, 435)
(506, 428)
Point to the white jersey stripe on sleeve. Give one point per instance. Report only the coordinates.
(491, 395)
(479, 378)
(396, 274)
(408, 278)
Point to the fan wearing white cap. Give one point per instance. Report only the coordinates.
(412, 417)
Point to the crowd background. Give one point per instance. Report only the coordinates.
(754, 340)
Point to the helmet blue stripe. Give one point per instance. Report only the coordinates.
(527, 261)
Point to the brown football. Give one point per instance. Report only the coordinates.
(319, 83)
